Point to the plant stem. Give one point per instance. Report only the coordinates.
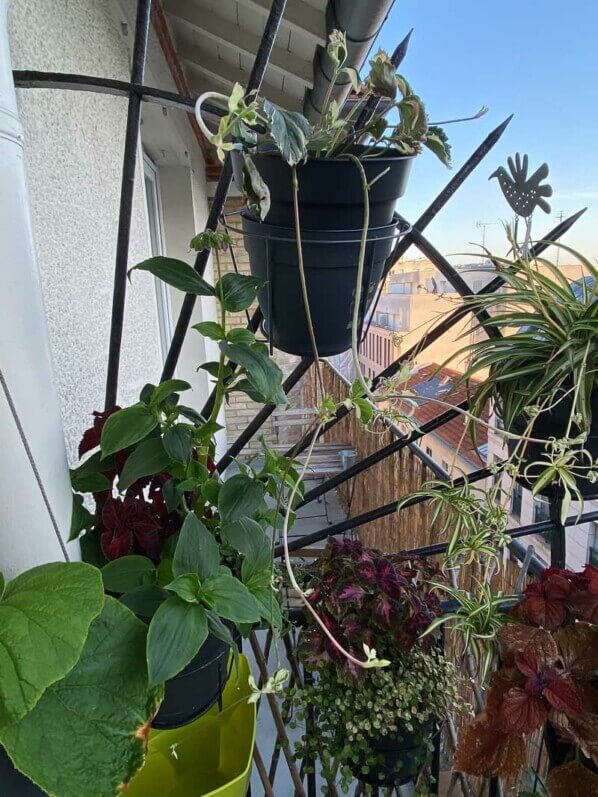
(220, 389)
(308, 318)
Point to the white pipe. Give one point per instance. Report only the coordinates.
(27, 536)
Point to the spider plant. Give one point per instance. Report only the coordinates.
(475, 522)
(477, 619)
(545, 363)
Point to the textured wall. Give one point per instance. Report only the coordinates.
(73, 146)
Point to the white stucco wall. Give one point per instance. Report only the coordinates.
(73, 147)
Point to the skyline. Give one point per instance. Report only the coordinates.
(518, 70)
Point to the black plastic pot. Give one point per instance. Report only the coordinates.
(330, 262)
(330, 190)
(401, 757)
(12, 783)
(196, 688)
(554, 424)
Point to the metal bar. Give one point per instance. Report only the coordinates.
(31, 79)
(263, 415)
(514, 534)
(126, 201)
(253, 84)
(378, 456)
(374, 514)
(558, 541)
(277, 717)
(440, 329)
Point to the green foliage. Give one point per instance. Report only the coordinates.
(546, 357)
(477, 619)
(290, 132)
(177, 273)
(86, 736)
(416, 691)
(126, 573)
(237, 292)
(45, 614)
(262, 373)
(240, 496)
(176, 633)
(197, 550)
(127, 427)
(148, 458)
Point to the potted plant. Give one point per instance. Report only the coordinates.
(542, 373)
(75, 705)
(547, 677)
(186, 550)
(314, 193)
(374, 724)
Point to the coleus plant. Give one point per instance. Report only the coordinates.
(183, 548)
(367, 600)
(252, 121)
(547, 675)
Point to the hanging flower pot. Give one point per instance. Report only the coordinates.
(331, 265)
(553, 424)
(396, 759)
(197, 687)
(330, 189)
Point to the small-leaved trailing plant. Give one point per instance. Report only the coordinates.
(366, 599)
(69, 654)
(546, 362)
(250, 122)
(547, 677)
(183, 548)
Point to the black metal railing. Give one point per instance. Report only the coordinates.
(137, 93)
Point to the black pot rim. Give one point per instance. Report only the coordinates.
(399, 227)
(270, 151)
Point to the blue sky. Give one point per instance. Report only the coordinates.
(537, 59)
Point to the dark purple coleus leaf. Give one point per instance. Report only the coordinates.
(128, 526)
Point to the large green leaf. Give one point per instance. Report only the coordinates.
(176, 273)
(237, 291)
(248, 537)
(86, 737)
(45, 615)
(231, 599)
(240, 497)
(262, 372)
(290, 131)
(127, 427)
(177, 443)
(127, 572)
(147, 459)
(176, 633)
(197, 550)
(165, 389)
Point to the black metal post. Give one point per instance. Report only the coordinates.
(126, 199)
(558, 540)
(253, 85)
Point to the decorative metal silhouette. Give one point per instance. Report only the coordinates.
(524, 195)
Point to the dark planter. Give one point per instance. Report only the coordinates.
(330, 191)
(12, 783)
(554, 424)
(401, 757)
(196, 688)
(330, 261)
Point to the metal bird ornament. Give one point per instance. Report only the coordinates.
(524, 195)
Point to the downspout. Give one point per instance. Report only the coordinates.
(27, 533)
(361, 21)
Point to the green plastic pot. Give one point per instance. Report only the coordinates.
(209, 757)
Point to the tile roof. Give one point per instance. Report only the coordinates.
(431, 381)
